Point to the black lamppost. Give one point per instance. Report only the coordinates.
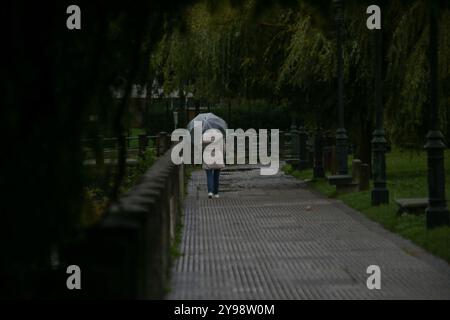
(341, 133)
(380, 194)
(437, 213)
(318, 170)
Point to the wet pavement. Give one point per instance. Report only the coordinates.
(269, 237)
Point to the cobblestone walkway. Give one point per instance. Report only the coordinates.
(271, 238)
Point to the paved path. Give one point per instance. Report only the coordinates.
(271, 238)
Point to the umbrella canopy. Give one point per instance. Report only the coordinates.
(209, 121)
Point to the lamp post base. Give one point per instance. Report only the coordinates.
(342, 151)
(437, 213)
(380, 196)
(437, 217)
(318, 173)
(318, 170)
(302, 149)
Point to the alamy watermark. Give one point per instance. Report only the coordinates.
(211, 149)
(374, 280)
(374, 20)
(74, 280)
(74, 20)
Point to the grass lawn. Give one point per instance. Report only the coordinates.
(406, 178)
(135, 132)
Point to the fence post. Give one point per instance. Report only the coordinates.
(333, 160)
(302, 151)
(281, 145)
(169, 141)
(356, 170)
(143, 143)
(294, 143)
(123, 141)
(162, 145)
(364, 182)
(318, 155)
(158, 145)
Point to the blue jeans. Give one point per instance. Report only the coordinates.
(212, 179)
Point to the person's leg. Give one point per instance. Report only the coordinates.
(210, 180)
(216, 181)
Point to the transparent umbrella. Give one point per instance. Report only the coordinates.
(209, 121)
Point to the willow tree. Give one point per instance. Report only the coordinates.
(223, 53)
(408, 74)
(309, 67)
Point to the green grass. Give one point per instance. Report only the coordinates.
(135, 132)
(407, 178)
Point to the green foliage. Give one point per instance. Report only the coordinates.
(94, 205)
(134, 173)
(310, 56)
(160, 117)
(97, 192)
(238, 52)
(287, 169)
(408, 74)
(257, 114)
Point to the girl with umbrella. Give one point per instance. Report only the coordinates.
(213, 164)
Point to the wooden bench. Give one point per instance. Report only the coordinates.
(412, 205)
(343, 183)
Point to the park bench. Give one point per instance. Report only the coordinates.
(343, 183)
(412, 205)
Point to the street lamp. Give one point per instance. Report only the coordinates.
(318, 170)
(380, 194)
(341, 133)
(437, 213)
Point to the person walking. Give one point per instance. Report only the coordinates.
(213, 179)
(205, 122)
(213, 173)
